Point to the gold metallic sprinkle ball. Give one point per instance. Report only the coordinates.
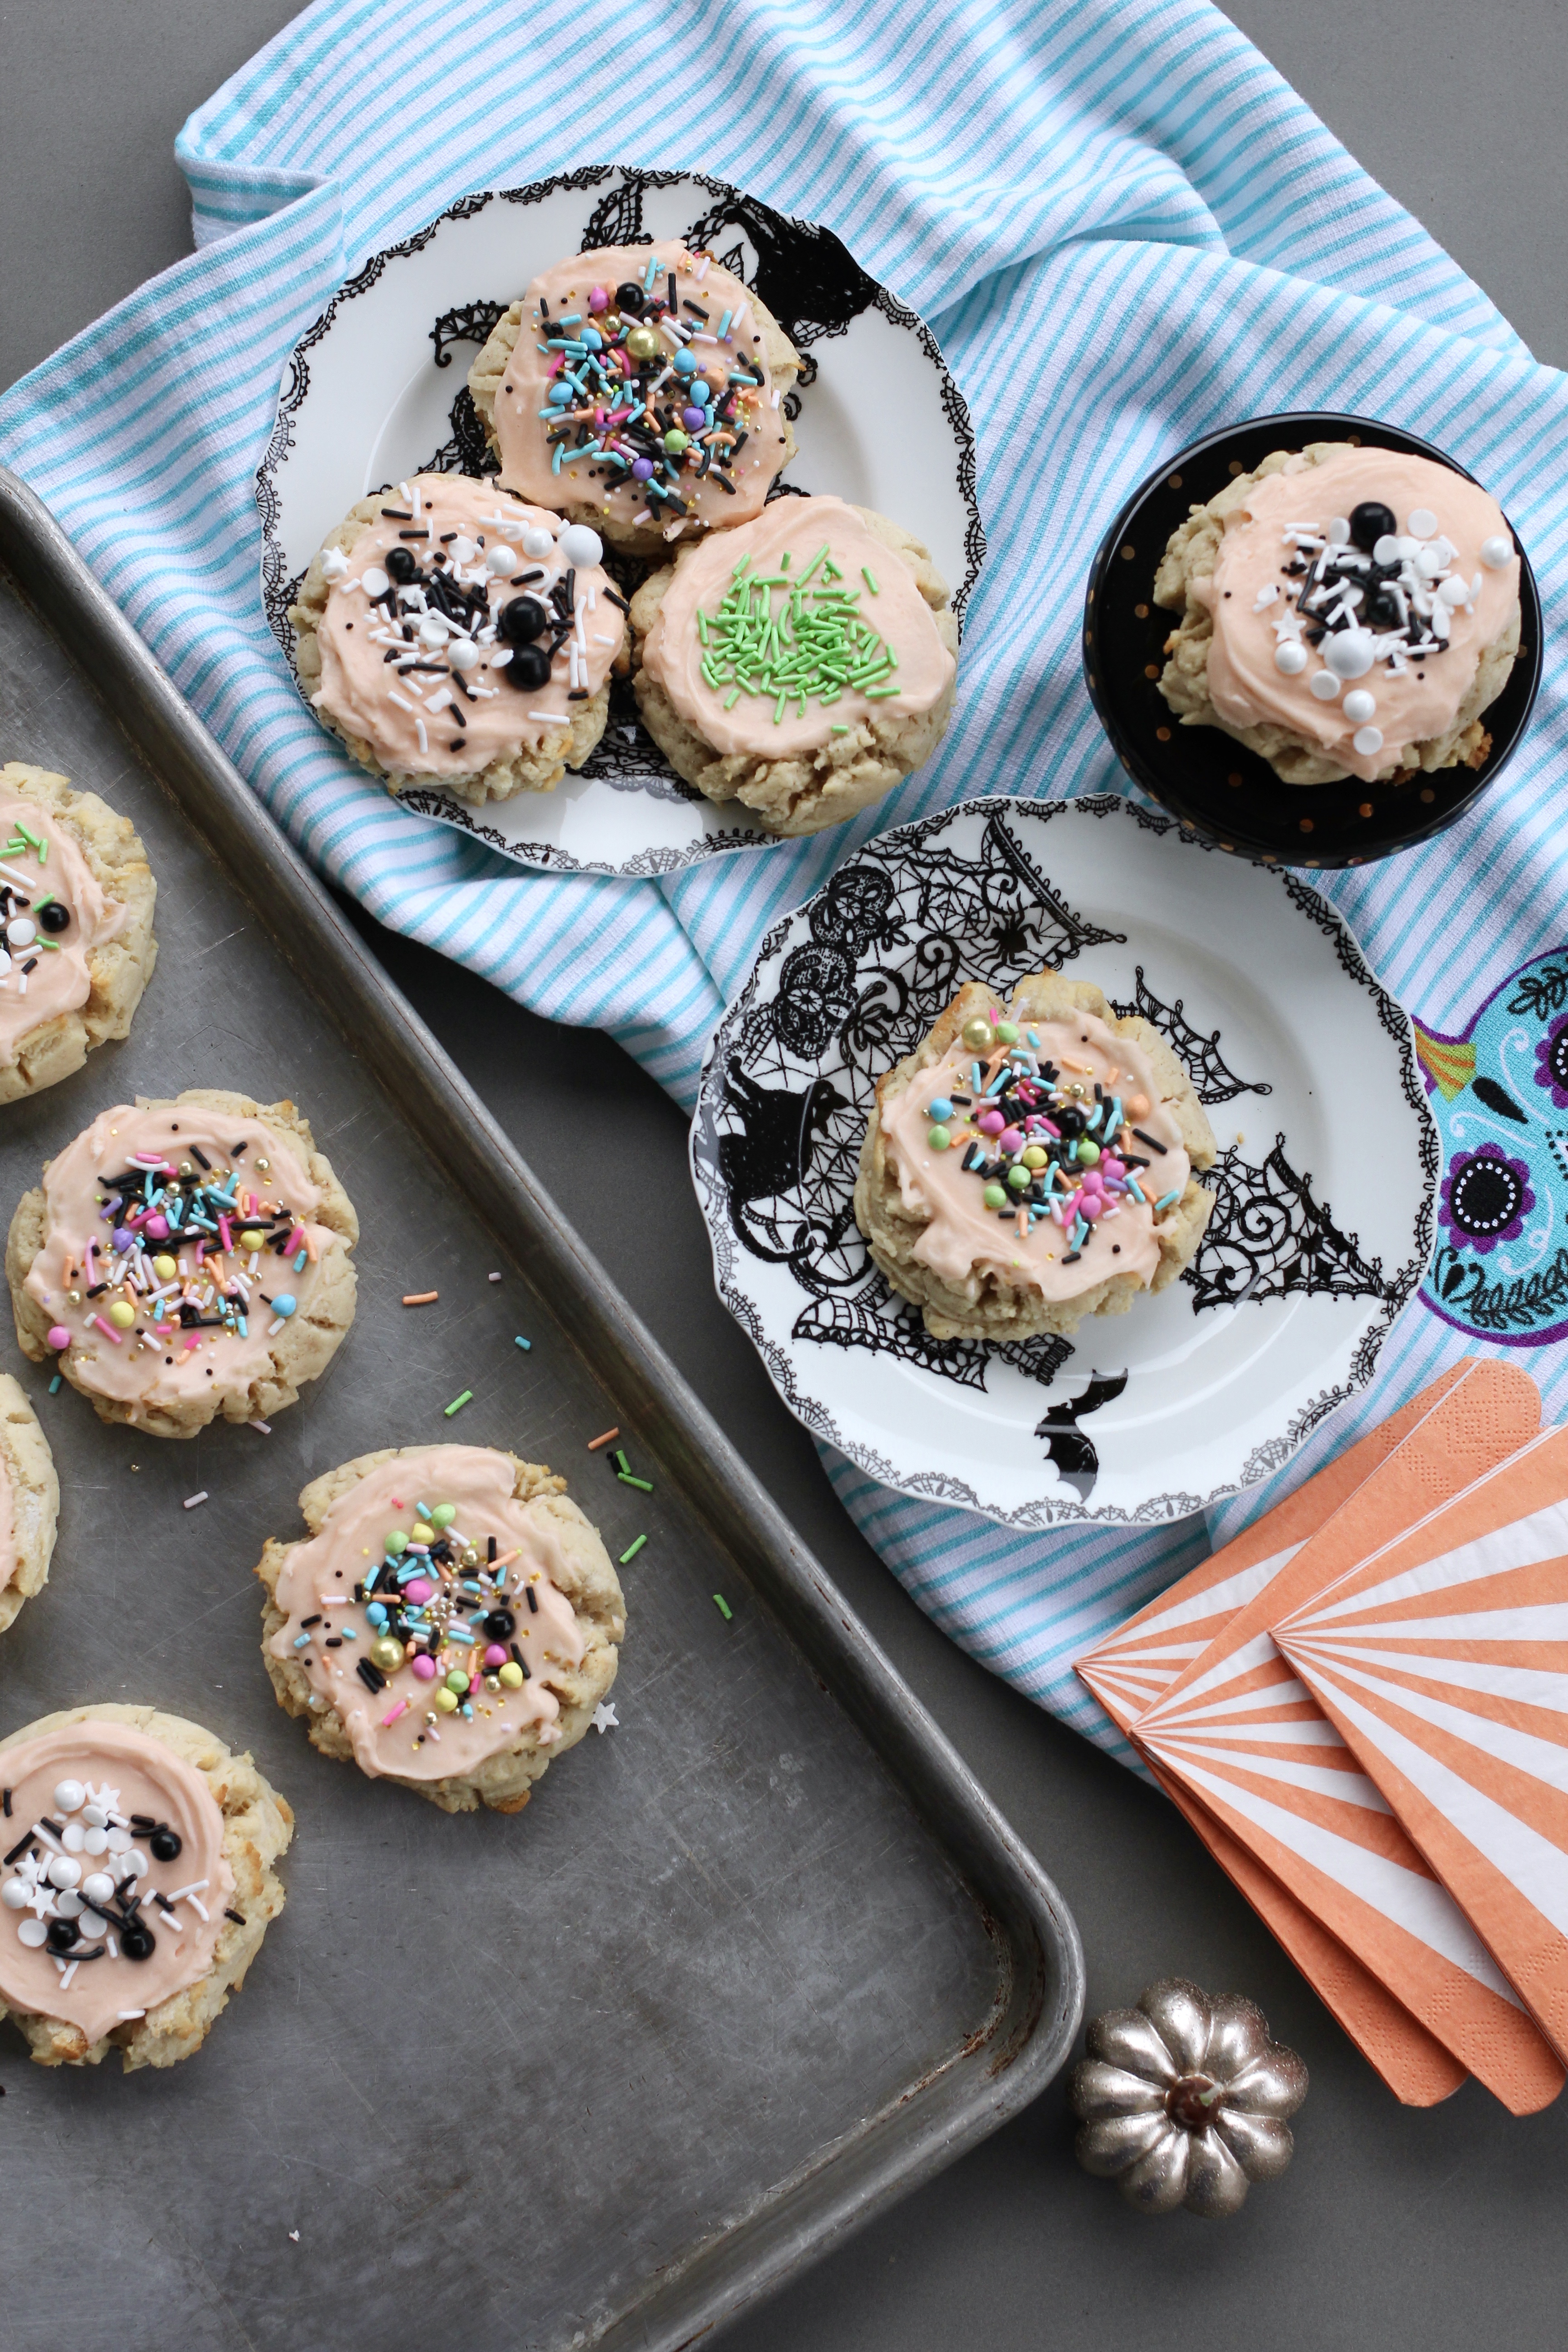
(1183, 2100)
(979, 1035)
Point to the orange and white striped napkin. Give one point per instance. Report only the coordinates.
(1442, 1662)
(1137, 1664)
(1247, 1740)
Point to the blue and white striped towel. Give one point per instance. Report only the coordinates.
(1125, 229)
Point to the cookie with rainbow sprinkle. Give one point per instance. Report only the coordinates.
(1032, 1165)
(642, 388)
(183, 1258)
(29, 1501)
(451, 1623)
(136, 1882)
(77, 948)
(453, 634)
(801, 666)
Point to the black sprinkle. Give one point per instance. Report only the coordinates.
(521, 1661)
(19, 1849)
(55, 1828)
(163, 1901)
(312, 1621)
(6, 1793)
(236, 1917)
(200, 1157)
(333, 1642)
(1150, 1141)
(533, 1599)
(1072, 1257)
(372, 1676)
(397, 514)
(620, 601)
(488, 1555)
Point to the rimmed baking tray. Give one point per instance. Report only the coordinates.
(749, 1967)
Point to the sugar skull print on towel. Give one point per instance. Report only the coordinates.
(1499, 1094)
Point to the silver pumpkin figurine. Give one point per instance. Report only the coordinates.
(1183, 2100)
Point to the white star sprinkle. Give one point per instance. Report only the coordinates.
(606, 1718)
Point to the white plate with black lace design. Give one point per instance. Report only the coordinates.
(1326, 1175)
(377, 390)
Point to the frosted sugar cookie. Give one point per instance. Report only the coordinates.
(642, 388)
(1346, 611)
(186, 1258)
(136, 1882)
(29, 1501)
(1031, 1165)
(75, 927)
(451, 1623)
(801, 666)
(452, 635)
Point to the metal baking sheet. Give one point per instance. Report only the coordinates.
(747, 1967)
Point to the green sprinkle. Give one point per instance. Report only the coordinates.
(870, 582)
(627, 1480)
(621, 1462)
(633, 1548)
(838, 731)
(457, 1403)
(877, 693)
(723, 1607)
(46, 900)
(520, 1342)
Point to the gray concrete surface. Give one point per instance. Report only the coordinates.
(1435, 2232)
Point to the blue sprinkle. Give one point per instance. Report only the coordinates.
(302, 1640)
(299, 1263)
(1166, 1202)
(520, 1342)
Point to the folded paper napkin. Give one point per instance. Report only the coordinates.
(1126, 231)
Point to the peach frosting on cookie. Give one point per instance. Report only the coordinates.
(51, 919)
(1352, 601)
(176, 1244)
(463, 626)
(771, 637)
(639, 387)
(1043, 1157)
(113, 1883)
(429, 1619)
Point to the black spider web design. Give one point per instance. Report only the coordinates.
(1200, 1056)
(892, 937)
(1269, 1238)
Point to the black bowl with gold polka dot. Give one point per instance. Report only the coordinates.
(1219, 790)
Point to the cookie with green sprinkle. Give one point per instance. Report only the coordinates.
(801, 666)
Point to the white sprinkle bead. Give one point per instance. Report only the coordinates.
(63, 1870)
(537, 541)
(95, 1817)
(32, 1932)
(463, 653)
(375, 581)
(334, 565)
(1497, 554)
(70, 1796)
(94, 1840)
(1349, 654)
(1421, 524)
(118, 1840)
(501, 560)
(98, 1887)
(580, 546)
(1386, 548)
(1453, 591)
(1367, 740)
(1359, 706)
(1290, 658)
(21, 931)
(74, 1837)
(14, 1894)
(462, 551)
(68, 1903)
(1339, 529)
(1325, 685)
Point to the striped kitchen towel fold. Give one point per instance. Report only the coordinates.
(1126, 230)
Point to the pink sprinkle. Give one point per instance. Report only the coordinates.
(475, 1685)
(108, 1330)
(1051, 1128)
(418, 1589)
(495, 1655)
(401, 1708)
(1089, 1206)
(991, 1122)
(1111, 1169)
(424, 1668)
(224, 1235)
(295, 1239)
(1011, 1140)
(192, 1339)
(158, 1228)
(60, 1336)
